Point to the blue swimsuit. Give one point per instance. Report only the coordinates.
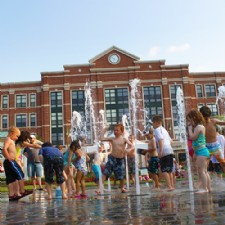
(199, 146)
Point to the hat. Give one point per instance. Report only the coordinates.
(33, 136)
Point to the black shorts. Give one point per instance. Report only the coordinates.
(166, 163)
(13, 171)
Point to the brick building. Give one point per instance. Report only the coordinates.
(45, 107)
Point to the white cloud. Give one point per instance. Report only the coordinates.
(153, 51)
(178, 48)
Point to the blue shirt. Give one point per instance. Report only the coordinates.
(50, 152)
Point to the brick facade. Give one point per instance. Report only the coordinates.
(102, 74)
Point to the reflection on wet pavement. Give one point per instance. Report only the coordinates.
(177, 207)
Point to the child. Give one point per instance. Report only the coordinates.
(52, 159)
(210, 133)
(80, 164)
(214, 165)
(70, 171)
(97, 165)
(196, 132)
(116, 158)
(153, 162)
(13, 172)
(131, 162)
(165, 151)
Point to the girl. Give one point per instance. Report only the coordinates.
(196, 132)
(70, 171)
(80, 164)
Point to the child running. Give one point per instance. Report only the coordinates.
(81, 166)
(196, 131)
(116, 158)
(211, 135)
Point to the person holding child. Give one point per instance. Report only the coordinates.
(196, 132)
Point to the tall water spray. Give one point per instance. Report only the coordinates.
(182, 128)
(77, 126)
(221, 94)
(89, 111)
(134, 104)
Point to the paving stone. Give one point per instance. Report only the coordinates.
(177, 207)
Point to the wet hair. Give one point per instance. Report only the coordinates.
(75, 145)
(24, 136)
(205, 111)
(119, 125)
(195, 116)
(47, 144)
(157, 118)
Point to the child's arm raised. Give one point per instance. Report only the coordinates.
(130, 146)
(218, 122)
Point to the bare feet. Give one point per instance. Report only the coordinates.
(124, 190)
(49, 197)
(64, 197)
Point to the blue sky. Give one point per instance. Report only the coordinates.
(43, 35)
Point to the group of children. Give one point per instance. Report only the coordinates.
(201, 132)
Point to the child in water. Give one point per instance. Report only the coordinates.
(196, 131)
(81, 166)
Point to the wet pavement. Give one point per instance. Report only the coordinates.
(177, 207)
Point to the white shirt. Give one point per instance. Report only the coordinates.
(161, 133)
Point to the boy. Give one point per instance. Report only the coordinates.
(116, 158)
(52, 158)
(165, 151)
(13, 172)
(153, 162)
(211, 135)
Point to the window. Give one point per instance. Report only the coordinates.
(33, 119)
(5, 101)
(56, 118)
(116, 101)
(21, 120)
(213, 108)
(152, 101)
(199, 91)
(32, 100)
(21, 101)
(56, 99)
(210, 90)
(78, 102)
(4, 121)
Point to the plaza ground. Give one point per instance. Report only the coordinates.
(150, 207)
